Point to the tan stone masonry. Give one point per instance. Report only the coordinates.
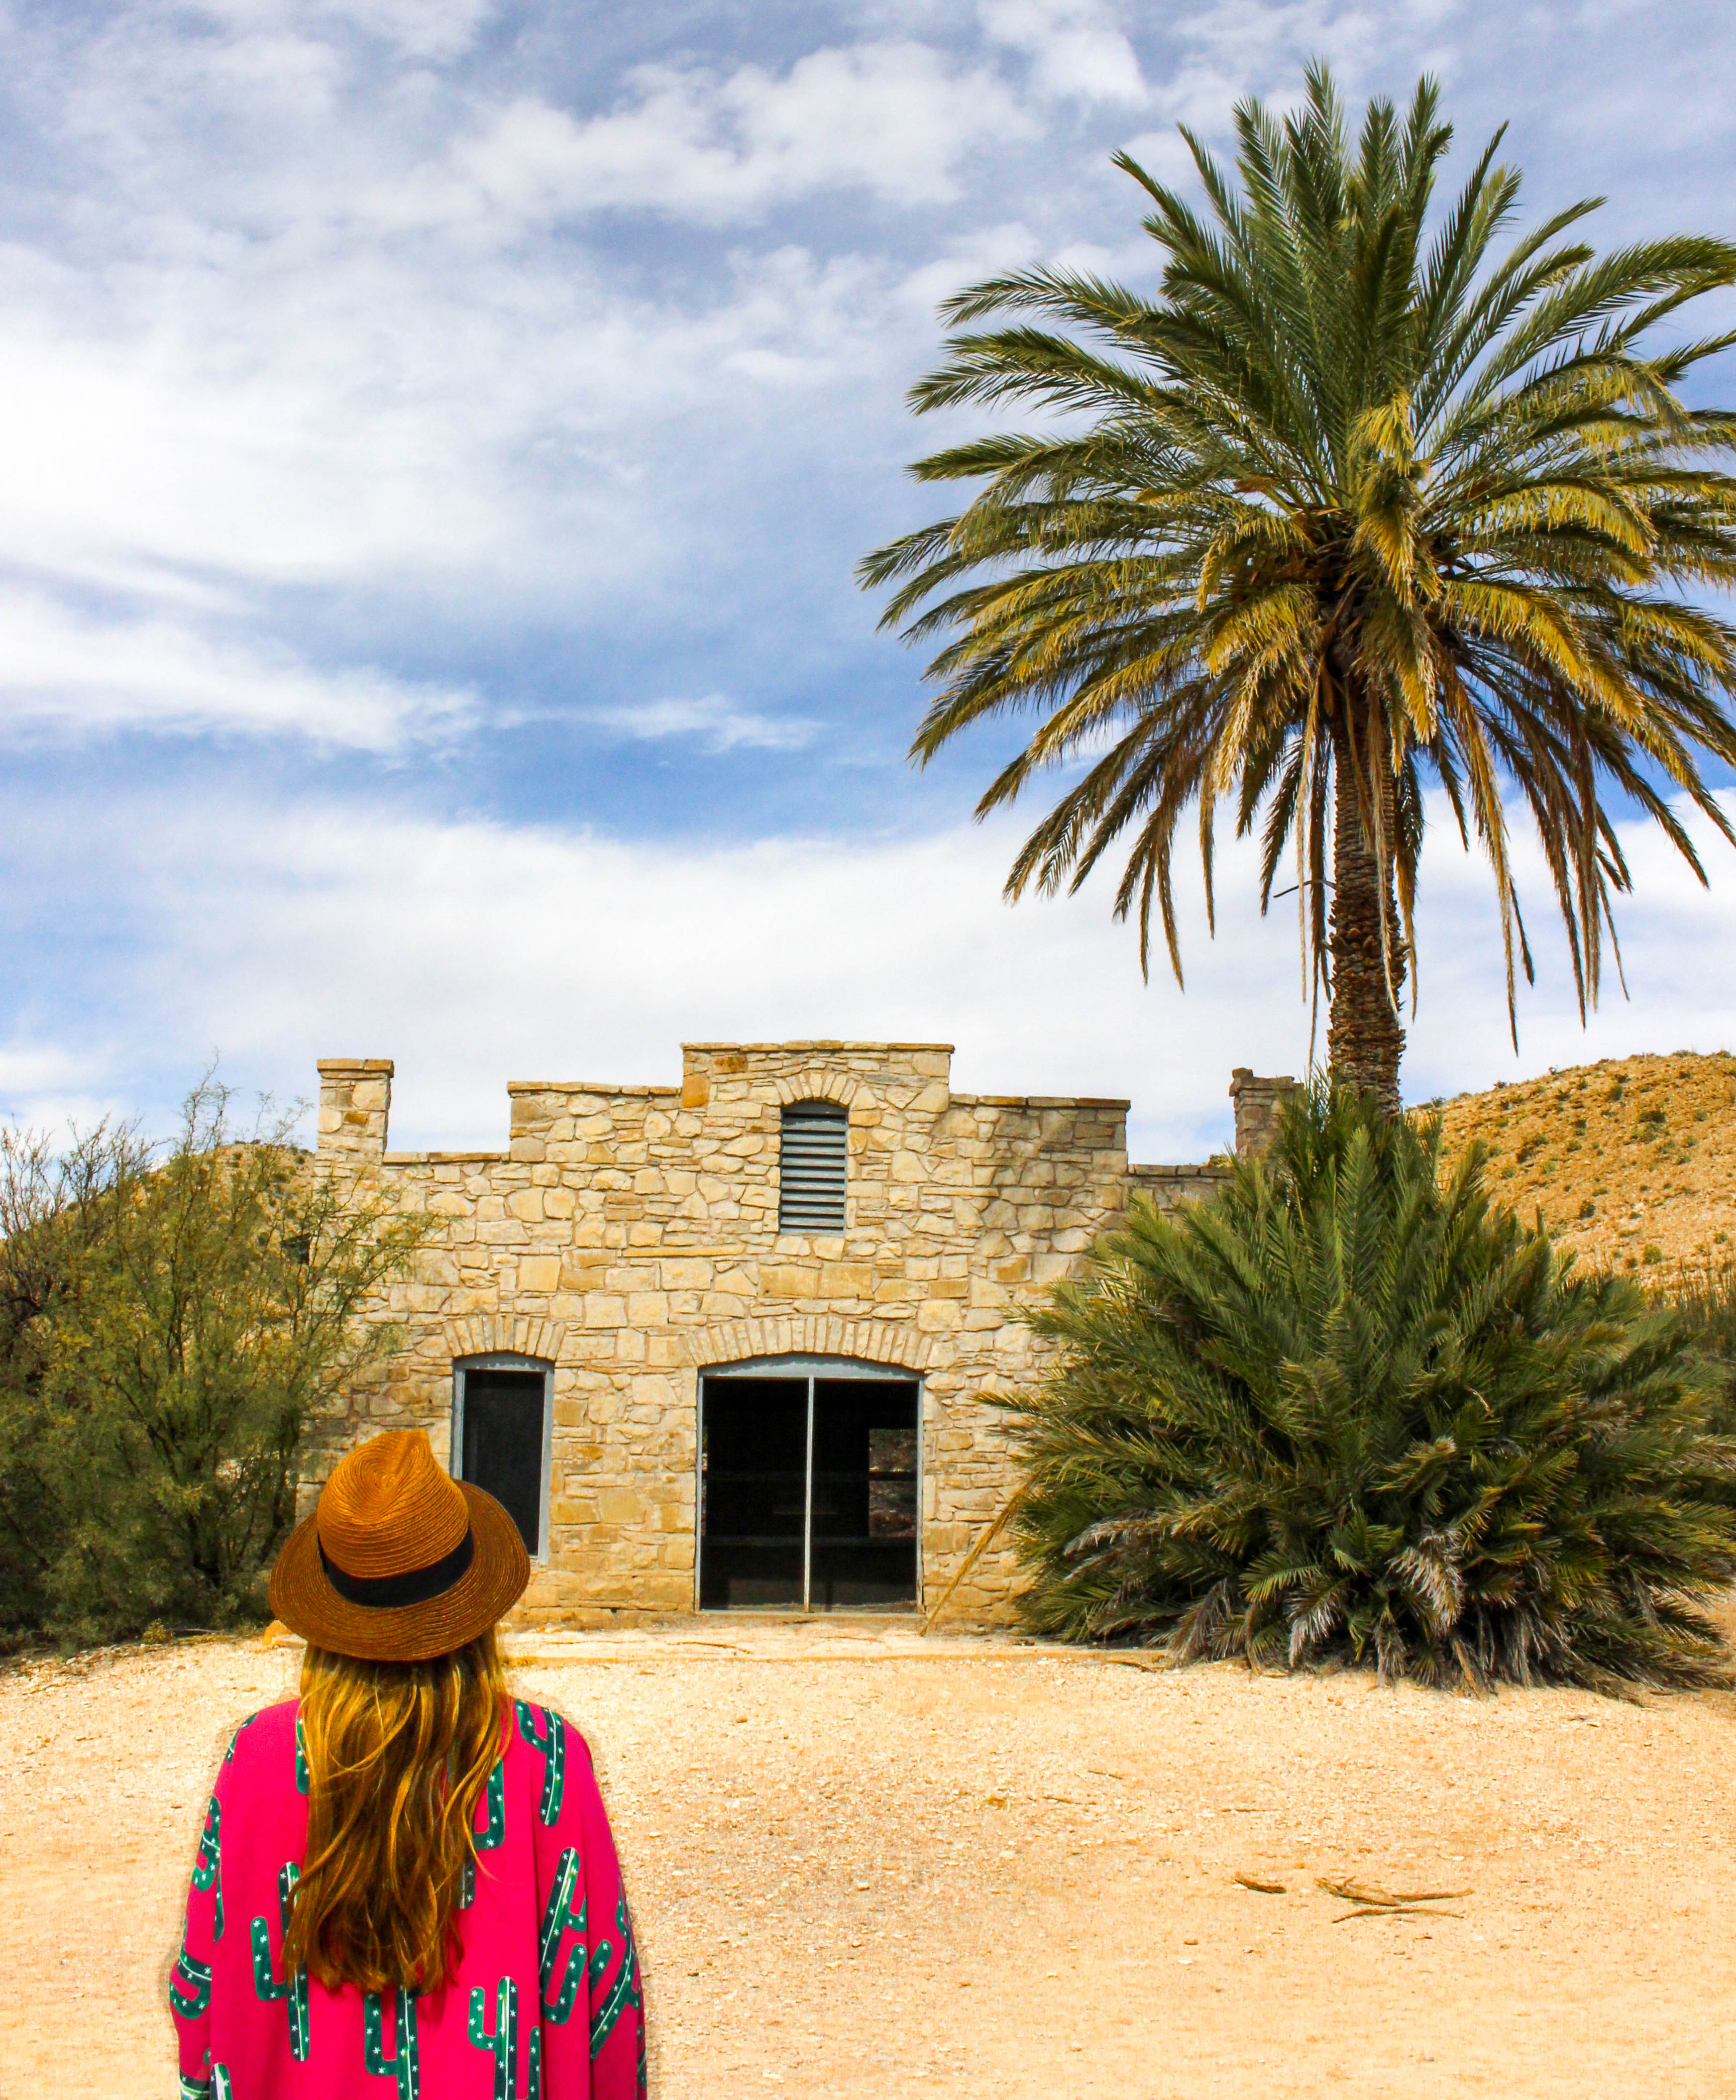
(629, 1237)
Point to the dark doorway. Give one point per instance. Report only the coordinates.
(502, 1411)
(752, 1492)
(807, 1490)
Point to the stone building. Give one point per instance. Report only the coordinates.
(728, 1343)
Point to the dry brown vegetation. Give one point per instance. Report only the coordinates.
(1632, 1161)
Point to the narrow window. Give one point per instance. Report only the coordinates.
(502, 1442)
(811, 1167)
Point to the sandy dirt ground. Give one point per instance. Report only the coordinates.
(866, 1864)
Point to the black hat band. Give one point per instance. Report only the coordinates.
(416, 1585)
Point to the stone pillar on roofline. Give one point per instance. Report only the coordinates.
(1259, 1103)
(356, 1103)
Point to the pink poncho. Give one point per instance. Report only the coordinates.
(545, 2001)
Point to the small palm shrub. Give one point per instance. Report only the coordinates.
(1706, 1303)
(1348, 1407)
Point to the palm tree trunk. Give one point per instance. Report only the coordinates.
(1364, 1040)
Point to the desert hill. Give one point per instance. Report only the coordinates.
(1633, 1160)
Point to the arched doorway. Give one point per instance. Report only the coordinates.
(810, 1487)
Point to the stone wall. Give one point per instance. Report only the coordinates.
(1170, 1187)
(628, 1235)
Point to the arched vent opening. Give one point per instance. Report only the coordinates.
(811, 1167)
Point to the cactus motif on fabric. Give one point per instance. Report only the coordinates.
(209, 1873)
(294, 1989)
(190, 1986)
(303, 1777)
(194, 2089)
(229, 1755)
(467, 1891)
(221, 2087)
(559, 1918)
(404, 2062)
(625, 1990)
(549, 1738)
(533, 2075)
(487, 1840)
(502, 2044)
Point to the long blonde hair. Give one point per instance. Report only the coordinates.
(396, 1755)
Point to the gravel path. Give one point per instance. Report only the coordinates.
(865, 1864)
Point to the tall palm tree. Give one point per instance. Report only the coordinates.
(1350, 509)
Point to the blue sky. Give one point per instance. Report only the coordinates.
(439, 440)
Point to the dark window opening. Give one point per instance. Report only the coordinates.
(752, 1479)
(864, 1545)
(503, 1443)
(812, 1165)
(772, 1532)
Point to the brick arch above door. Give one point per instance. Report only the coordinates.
(505, 1335)
(810, 1334)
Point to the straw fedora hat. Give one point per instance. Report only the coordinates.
(398, 1561)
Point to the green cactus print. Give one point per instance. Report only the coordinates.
(487, 1840)
(303, 1777)
(559, 1918)
(551, 1743)
(405, 2064)
(467, 1893)
(210, 1870)
(216, 2087)
(294, 1989)
(533, 2076)
(502, 2044)
(625, 1990)
(229, 1755)
(190, 1986)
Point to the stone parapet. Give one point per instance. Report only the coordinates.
(1170, 1187)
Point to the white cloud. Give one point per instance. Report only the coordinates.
(713, 721)
(68, 671)
(1076, 47)
(475, 952)
(310, 305)
(439, 30)
(894, 119)
(512, 438)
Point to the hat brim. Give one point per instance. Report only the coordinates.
(303, 1597)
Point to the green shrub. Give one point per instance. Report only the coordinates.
(168, 1324)
(1344, 1409)
(1706, 1305)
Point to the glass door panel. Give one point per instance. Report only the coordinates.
(752, 1493)
(863, 1551)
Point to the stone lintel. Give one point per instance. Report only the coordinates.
(805, 1045)
(447, 1159)
(347, 1066)
(599, 1087)
(1040, 1102)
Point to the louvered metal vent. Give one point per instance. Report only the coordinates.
(811, 1167)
